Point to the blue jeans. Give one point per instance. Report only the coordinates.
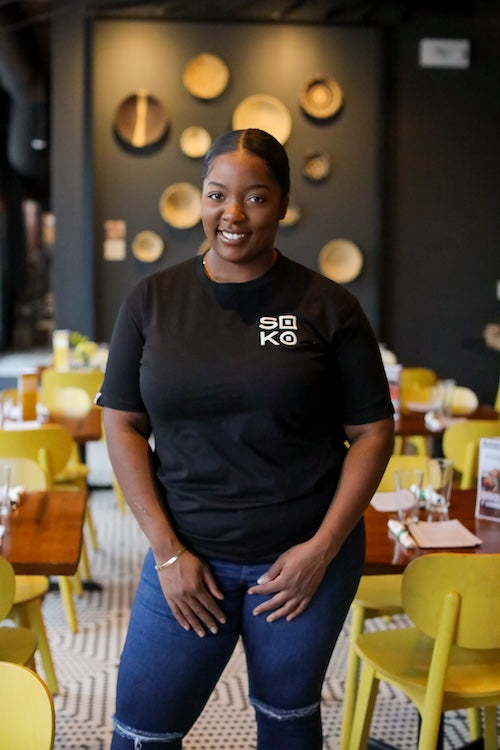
(167, 674)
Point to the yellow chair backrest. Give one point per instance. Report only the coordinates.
(89, 380)
(50, 446)
(7, 589)
(415, 384)
(27, 715)
(420, 376)
(461, 445)
(463, 400)
(397, 462)
(472, 580)
(25, 472)
(71, 401)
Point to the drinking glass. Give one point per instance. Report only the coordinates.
(408, 492)
(439, 484)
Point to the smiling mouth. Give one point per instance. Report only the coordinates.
(231, 236)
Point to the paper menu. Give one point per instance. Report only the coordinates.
(488, 479)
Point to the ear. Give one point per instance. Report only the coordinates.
(284, 207)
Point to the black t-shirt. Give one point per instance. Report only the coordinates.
(247, 387)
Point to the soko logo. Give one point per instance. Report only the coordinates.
(279, 330)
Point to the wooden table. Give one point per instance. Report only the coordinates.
(44, 535)
(384, 554)
(82, 429)
(413, 423)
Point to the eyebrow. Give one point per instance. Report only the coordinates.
(257, 186)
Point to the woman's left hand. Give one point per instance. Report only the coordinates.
(291, 582)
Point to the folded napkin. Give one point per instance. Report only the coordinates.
(443, 534)
(385, 502)
(401, 533)
(436, 422)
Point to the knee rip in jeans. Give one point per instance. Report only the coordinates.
(284, 714)
(141, 738)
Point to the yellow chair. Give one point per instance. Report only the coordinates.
(377, 596)
(463, 401)
(27, 715)
(73, 402)
(89, 380)
(450, 659)
(27, 604)
(17, 644)
(69, 401)
(413, 379)
(461, 445)
(414, 385)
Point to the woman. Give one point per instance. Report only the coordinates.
(252, 372)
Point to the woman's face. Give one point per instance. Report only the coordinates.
(242, 205)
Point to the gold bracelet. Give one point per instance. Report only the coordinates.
(171, 560)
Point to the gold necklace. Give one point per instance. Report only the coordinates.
(209, 275)
(207, 272)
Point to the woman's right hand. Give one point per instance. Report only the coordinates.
(191, 592)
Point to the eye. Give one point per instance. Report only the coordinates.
(215, 195)
(256, 199)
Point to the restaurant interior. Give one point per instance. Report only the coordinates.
(106, 112)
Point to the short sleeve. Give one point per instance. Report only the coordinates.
(361, 374)
(121, 387)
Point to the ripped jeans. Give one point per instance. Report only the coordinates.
(167, 674)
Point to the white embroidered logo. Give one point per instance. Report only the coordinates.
(278, 330)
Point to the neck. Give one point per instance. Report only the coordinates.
(246, 277)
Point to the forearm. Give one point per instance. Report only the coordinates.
(364, 465)
(131, 459)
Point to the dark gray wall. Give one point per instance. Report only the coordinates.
(275, 60)
(416, 148)
(443, 205)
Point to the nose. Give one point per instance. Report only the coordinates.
(233, 210)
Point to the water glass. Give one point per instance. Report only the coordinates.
(439, 485)
(4, 490)
(409, 484)
(442, 397)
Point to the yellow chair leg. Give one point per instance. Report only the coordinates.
(76, 584)
(351, 679)
(90, 526)
(29, 615)
(398, 445)
(490, 728)
(69, 605)
(420, 445)
(120, 500)
(365, 704)
(474, 719)
(84, 566)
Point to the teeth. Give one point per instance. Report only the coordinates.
(232, 235)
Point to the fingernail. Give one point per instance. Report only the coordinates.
(262, 579)
(213, 630)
